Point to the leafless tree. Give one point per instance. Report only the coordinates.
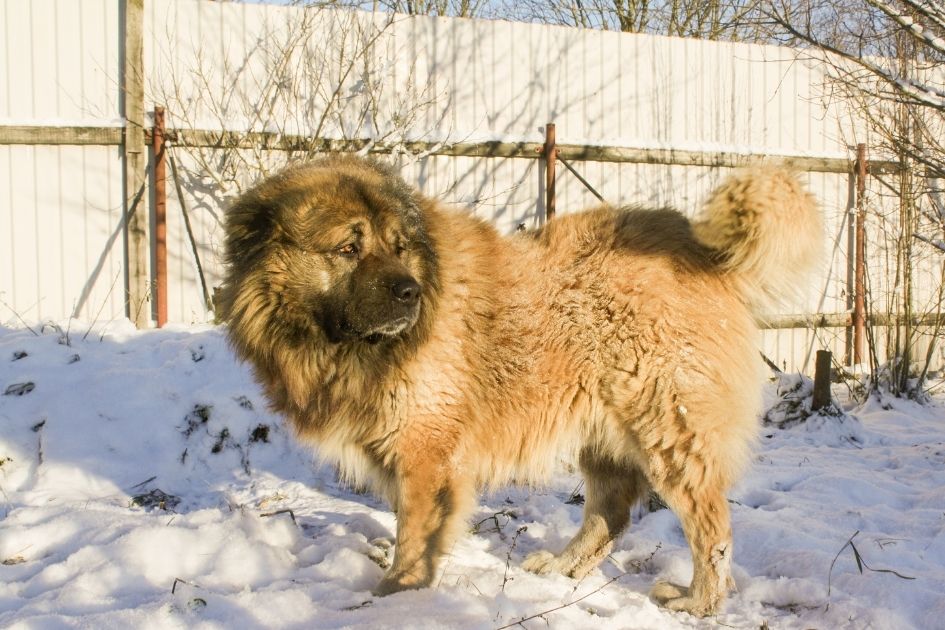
(453, 8)
(450, 8)
(714, 19)
(886, 58)
(896, 47)
(315, 81)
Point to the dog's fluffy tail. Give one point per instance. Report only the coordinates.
(768, 230)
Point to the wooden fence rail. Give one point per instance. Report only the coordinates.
(106, 136)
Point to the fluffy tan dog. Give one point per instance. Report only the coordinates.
(427, 356)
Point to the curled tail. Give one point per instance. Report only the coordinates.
(769, 232)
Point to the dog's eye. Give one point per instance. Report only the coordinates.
(348, 251)
(400, 250)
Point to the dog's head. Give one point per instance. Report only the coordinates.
(338, 245)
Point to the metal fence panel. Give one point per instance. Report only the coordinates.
(484, 80)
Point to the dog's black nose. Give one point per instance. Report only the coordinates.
(406, 290)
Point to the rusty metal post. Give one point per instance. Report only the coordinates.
(160, 216)
(551, 154)
(859, 269)
(821, 396)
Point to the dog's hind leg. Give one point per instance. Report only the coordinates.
(610, 491)
(705, 519)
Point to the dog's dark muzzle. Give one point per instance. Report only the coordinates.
(382, 300)
(406, 291)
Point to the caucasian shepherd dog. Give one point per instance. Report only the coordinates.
(427, 356)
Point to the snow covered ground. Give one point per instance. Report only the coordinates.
(143, 484)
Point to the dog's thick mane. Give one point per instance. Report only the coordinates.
(305, 374)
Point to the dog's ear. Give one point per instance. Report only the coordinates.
(250, 224)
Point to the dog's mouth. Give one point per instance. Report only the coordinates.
(389, 329)
(345, 330)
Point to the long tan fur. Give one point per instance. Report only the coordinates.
(622, 337)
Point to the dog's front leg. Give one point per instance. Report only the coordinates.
(433, 501)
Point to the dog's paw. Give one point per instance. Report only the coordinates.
(663, 592)
(391, 585)
(673, 597)
(399, 580)
(542, 563)
(545, 562)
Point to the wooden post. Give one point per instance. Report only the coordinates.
(907, 227)
(551, 154)
(160, 217)
(905, 128)
(821, 381)
(135, 164)
(859, 269)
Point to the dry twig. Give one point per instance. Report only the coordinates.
(860, 564)
(522, 621)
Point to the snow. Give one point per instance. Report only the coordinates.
(144, 484)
